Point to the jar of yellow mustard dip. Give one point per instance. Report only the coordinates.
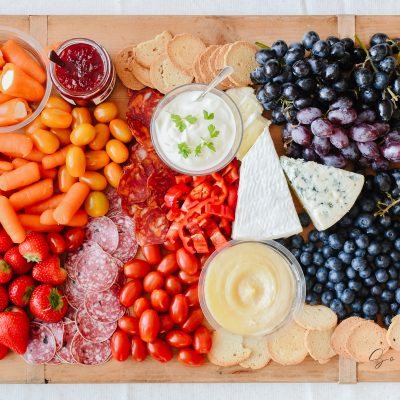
(251, 288)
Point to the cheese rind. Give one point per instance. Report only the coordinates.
(326, 193)
(265, 208)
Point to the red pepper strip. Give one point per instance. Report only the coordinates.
(173, 232)
(215, 235)
(198, 180)
(230, 173)
(175, 193)
(188, 204)
(220, 183)
(201, 192)
(198, 238)
(232, 196)
(183, 179)
(175, 214)
(220, 210)
(226, 226)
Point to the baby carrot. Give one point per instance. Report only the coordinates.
(32, 194)
(56, 159)
(22, 176)
(52, 202)
(47, 173)
(35, 124)
(2, 61)
(71, 203)
(18, 162)
(32, 223)
(15, 144)
(6, 166)
(35, 155)
(11, 223)
(5, 97)
(15, 82)
(14, 53)
(14, 111)
(80, 218)
(46, 217)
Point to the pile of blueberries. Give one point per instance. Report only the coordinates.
(354, 267)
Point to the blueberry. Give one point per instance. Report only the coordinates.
(304, 219)
(370, 308)
(327, 296)
(296, 252)
(354, 285)
(306, 258)
(386, 247)
(313, 236)
(370, 281)
(310, 247)
(365, 273)
(312, 298)
(309, 283)
(333, 263)
(384, 308)
(340, 287)
(383, 182)
(318, 259)
(392, 284)
(347, 296)
(381, 275)
(311, 270)
(330, 285)
(360, 253)
(335, 241)
(387, 320)
(327, 251)
(362, 241)
(297, 241)
(364, 220)
(354, 233)
(363, 293)
(376, 290)
(393, 273)
(387, 296)
(345, 258)
(323, 236)
(394, 307)
(351, 273)
(322, 274)
(335, 276)
(336, 306)
(382, 261)
(367, 204)
(395, 255)
(385, 221)
(318, 288)
(349, 246)
(356, 305)
(359, 263)
(397, 244)
(397, 295)
(374, 248)
(390, 234)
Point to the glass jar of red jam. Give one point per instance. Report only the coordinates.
(88, 75)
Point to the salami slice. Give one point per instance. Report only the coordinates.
(142, 104)
(151, 226)
(128, 244)
(74, 293)
(70, 315)
(73, 257)
(57, 329)
(104, 232)
(114, 200)
(105, 306)
(89, 353)
(140, 132)
(133, 184)
(55, 360)
(64, 353)
(93, 330)
(159, 182)
(42, 344)
(97, 270)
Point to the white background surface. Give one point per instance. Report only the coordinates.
(385, 391)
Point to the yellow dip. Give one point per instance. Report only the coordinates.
(249, 288)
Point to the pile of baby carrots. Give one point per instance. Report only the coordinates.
(22, 81)
(53, 175)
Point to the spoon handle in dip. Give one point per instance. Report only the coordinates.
(224, 73)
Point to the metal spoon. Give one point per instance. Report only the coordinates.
(224, 73)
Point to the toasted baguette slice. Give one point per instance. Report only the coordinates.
(393, 333)
(183, 50)
(340, 335)
(206, 73)
(316, 317)
(259, 356)
(219, 63)
(123, 67)
(318, 344)
(227, 349)
(147, 52)
(141, 73)
(287, 347)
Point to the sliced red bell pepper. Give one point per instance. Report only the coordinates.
(232, 196)
(198, 180)
(174, 194)
(201, 192)
(183, 179)
(226, 226)
(230, 173)
(173, 232)
(221, 210)
(215, 235)
(220, 190)
(198, 237)
(175, 214)
(188, 204)
(187, 243)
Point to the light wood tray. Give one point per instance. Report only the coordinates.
(115, 32)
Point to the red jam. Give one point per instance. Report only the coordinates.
(84, 68)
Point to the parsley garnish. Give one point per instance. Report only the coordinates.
(208, 116)
(192, 120)
(213, 132)
(210, 145)
(184, 149)
(198, 149)
(179, 122)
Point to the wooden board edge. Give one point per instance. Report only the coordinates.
(347, 370)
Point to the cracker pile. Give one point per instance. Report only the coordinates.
(167, 61)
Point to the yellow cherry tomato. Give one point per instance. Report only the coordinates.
(55, 118)
(35, 124)
(96, 159)
(59, 103)
(94, 180)
(75, 161)
(105, 112)
(117, 151)
(97, 204)
(45, 141)
(120, 130)
(80, 115)
(63, 135)
(101, 138)
(113, 173)
(83, 134)
(64, 179)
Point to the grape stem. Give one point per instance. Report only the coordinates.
(262, 45)
(393, 96)
(368, 58)
(384, 208)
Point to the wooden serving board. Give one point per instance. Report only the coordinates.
(114, 33)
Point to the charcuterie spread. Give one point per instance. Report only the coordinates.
(181, 229)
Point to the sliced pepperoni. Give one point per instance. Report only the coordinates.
(142, 104)
(114, 200)
(151, 226)
(104, 232)
(42, 344)
(89, 353)
(70, 331)
(105, 306)
(128, 244)
(140, 132)
(159, 182)
(133, 184)
(74, 293)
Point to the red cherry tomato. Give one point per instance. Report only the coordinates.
(160, 300)
(140, 305)
(190, 357)
(173, 246)
(192, 295)
(188, 279)
(178, 339)
(187, 262)
(168, 264)
(149, 325)
(152, 281)
(130, 292)
(56, 243)
(120, 346)
(193, 322)
(173, 285)
(129, 325)
(136, 269)
(202, 340)
(160, 350)
(166, 323)
(74, 237)
(152, 253)
(179, 309)
(139, 350)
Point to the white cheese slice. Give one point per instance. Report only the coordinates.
(326, 193)
(265, 208)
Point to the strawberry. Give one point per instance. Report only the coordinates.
(20, 290)
(49, 271)
(3, 299)
(5, 272)
(3, 351)
(14, 330)
(48, 303)
(5, 241)
(18, 263)
(35, 247)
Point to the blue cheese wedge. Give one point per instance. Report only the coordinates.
(265, 208)
(326, 193)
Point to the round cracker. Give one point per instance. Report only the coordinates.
(316, 317)
(341, 333)
(203, 63)
(219, 63)
(287, 347)
(123, 62)
(318, 344)
(365, 338)
(198, 76)
(393, 333)
(211, 62)
(141, 73)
